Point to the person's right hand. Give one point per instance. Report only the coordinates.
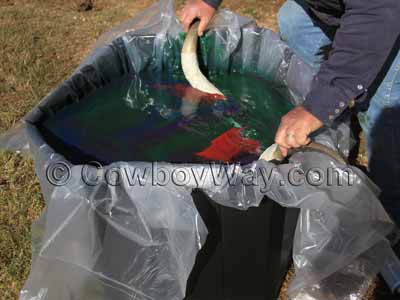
(197, 9)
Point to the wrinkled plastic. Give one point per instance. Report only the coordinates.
(391, 272)
(340, 225)
(15, 139)
(153, 233)
(86, 229)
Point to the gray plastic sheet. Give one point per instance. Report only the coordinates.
(111, 239)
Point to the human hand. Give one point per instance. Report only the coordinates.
(295, 128)
(197, 9)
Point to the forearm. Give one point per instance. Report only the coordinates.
(367, 34)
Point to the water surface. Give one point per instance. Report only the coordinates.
(164, 119)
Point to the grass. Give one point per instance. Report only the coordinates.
(20, 204)
(42, 42)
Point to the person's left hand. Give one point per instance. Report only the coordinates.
(295, 128)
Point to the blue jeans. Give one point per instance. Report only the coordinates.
(380, 117)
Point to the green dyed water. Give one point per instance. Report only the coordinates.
(164, 119)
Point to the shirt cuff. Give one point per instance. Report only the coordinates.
(213, 3)
(327, 102)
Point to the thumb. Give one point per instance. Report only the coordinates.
(203, 24)
(284, 151)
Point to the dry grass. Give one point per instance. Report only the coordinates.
(42, 42)
(264, 12)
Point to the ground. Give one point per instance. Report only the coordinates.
(42, 42)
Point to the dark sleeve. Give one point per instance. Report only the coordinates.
(213, 3)
(367, 34)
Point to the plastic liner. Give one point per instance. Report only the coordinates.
(340, 237)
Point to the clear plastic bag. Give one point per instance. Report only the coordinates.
(140, 241)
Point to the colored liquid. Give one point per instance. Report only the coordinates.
(164, 119)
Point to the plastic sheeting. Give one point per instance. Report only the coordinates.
(340, 237)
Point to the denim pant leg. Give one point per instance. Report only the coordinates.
(381, 125)
(306, 39)
(381, 122)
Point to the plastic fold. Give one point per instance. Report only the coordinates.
(139, 240)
